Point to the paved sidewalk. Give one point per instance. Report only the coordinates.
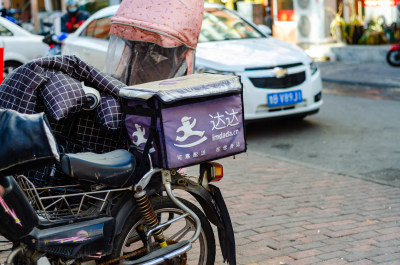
(285, 213)
(363, 65)
(372, 74)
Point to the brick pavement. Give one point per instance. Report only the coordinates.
(284, 213)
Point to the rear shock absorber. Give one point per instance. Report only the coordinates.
(150, 216)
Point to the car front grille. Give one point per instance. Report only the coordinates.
(276, 83)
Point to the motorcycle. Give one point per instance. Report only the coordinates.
(108, 212)
(393, 55)
(54, 40)
(94, 181)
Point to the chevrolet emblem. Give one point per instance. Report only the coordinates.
(279, 72)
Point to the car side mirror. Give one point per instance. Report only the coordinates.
(264, 29)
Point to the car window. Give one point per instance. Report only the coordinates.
(4, 31)
(98, 28)
(88, 31)
(221, 24)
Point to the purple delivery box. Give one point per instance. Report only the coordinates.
(186, 120)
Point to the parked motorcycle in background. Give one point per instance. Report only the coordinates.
(54, 40)
(393, 56)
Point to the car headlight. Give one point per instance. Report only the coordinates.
(202, 69)
(313, 68)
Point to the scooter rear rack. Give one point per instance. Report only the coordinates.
(63, 203)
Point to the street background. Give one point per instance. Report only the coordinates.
(355, 133)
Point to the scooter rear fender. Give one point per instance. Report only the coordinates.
(214, 207)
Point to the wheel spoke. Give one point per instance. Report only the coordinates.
(132, 239)
(181, 233)
(202, 252)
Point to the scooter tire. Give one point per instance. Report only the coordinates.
(390, 58)
(205, 244)
(9, 67)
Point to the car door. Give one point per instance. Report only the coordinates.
(19, 45)
(11, 44)
(92, 43)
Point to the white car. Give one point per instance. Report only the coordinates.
(279, 79)
(20, 46)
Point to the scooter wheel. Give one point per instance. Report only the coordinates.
(203, 249)
(393, 58)
(10, 66)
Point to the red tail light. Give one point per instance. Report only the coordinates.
(218, 173)
(213, 171)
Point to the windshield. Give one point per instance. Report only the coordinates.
(221, 24)
(137, 62)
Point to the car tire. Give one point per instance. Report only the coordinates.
(10, 66)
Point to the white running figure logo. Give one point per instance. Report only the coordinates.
(139, 134)
(187, 129)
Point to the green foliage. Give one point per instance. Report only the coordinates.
(337, 24)
(374, 34)
(356, 21)
(94, 6)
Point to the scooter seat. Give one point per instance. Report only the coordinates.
(114, 169)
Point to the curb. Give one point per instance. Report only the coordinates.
(359, 83)
(303, 164)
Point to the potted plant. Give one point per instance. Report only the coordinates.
(355, 28)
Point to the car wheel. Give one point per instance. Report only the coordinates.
(9, 67)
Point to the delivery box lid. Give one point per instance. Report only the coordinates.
(184, 87)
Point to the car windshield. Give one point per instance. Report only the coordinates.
(221, 24)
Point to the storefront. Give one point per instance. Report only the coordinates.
(39, 11)
(295, 21)
(386, 10)
(301, 21)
